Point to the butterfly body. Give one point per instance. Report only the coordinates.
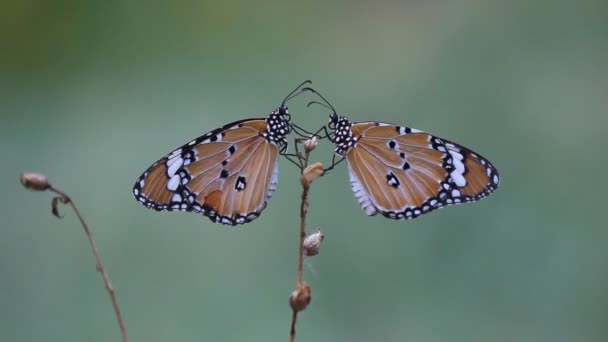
(402, 173)
(228, 174)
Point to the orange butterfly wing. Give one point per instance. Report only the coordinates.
(228, 175)
(402, 172)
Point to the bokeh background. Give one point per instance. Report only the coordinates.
(92, 92)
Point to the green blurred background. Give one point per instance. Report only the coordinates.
(93, 92)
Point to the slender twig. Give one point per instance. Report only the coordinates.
(303, 212)
(100, 268)
(38, 182)
(292, 332)
(302, 289)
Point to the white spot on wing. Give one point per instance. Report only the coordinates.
(173, 165)
(457, 161)
(458, 178)
(457, 174)
(175, 153)
(392, 181)
(173, 183)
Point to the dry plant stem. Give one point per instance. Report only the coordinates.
(100, 267)
(292, 332)
(303, 212)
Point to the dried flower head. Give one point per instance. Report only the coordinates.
(300, 297)
(311, 143)
(34, 181)
(312, 243)
(311, 173)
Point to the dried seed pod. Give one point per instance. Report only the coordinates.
(311, 173)
(311, 143)
(300, 297)
(312, 243)
(34, 181)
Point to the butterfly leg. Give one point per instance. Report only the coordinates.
(289, 157)
(301, 131)
(306, 134)
(333, 163)
(297, 143)
(327, 134)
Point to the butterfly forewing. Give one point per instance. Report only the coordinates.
(402, 172)
(151, 189)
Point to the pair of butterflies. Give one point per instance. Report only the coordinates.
(230, 173)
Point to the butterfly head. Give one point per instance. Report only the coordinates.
(283, 111)
(339, 126)
(277, 123)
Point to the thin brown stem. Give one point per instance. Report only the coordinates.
(292, 332)
(303, 212)
(100, 268)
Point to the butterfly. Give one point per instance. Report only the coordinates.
(401, 172)
(228, 174)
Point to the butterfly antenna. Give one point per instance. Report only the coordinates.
(295, 92)
(326, 105)
(319, 103)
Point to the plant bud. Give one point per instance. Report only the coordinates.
(34, 181)
(311, 143)
(311, 173)
(300, 297)
(312, 243)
